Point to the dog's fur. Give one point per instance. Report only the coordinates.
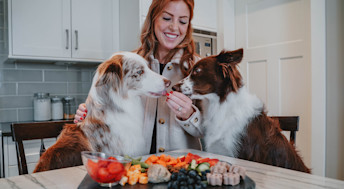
(235, 122)
(114, 122)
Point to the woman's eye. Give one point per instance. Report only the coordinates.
(183, 21)
(166, 18)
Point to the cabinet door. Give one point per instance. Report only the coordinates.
(92, 31)
(40, 28)
(205, 15)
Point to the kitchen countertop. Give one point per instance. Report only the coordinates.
(265, 176)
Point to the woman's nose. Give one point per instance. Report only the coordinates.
(173, 25)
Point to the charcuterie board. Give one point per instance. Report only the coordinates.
(89, 183)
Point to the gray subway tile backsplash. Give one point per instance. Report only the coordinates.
(20, 80)
(8, 88)
(16, 101)
(21, 75)
(52, 88)
(8, 115)
(67, 76)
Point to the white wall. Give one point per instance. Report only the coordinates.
(335, 89)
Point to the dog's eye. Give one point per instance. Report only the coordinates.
(197, 70)
(140, 72)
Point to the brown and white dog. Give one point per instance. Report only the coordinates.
(235, 122)
(114, 122)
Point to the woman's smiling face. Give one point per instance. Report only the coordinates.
(171, 25)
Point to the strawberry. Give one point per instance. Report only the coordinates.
(92, 168)
(115, 167)
(104, 176)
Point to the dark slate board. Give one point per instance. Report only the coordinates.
(89, 183)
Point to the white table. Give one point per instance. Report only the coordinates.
(264, 176)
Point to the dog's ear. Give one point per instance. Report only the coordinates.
(231, 57)
(110, 72)
(228, 61)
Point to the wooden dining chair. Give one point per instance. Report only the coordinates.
(33, 131)
(289, 123)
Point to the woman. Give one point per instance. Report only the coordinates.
(166, 42)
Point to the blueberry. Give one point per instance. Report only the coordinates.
(207, 171)
(190, 186)
(192, 173)
(182, 170)
(204, 184)
(175, 184)
(181, 177)
(198, 186)
(204, 177)
(191, 181)
(198, 177)
(203, 173)
(183, 187)
(169, 185)
(174, 176)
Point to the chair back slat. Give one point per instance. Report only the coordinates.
(33, 131)
(289, 123)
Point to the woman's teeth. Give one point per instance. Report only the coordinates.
(171, 36)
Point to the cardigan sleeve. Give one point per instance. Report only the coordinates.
(193, 124)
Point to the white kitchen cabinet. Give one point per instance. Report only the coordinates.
(67, 30)
(132, 14)
(205, 15)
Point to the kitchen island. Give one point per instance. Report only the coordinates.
(264, 176)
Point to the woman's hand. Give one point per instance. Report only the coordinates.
(180, 104)
(80, 113)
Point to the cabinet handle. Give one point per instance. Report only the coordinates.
(67, 39)
(76, 40)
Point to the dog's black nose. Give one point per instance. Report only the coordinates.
(176, 87)
(167, 82)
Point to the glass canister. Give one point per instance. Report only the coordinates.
(42, 107)
(56, 108)
(68, 107)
